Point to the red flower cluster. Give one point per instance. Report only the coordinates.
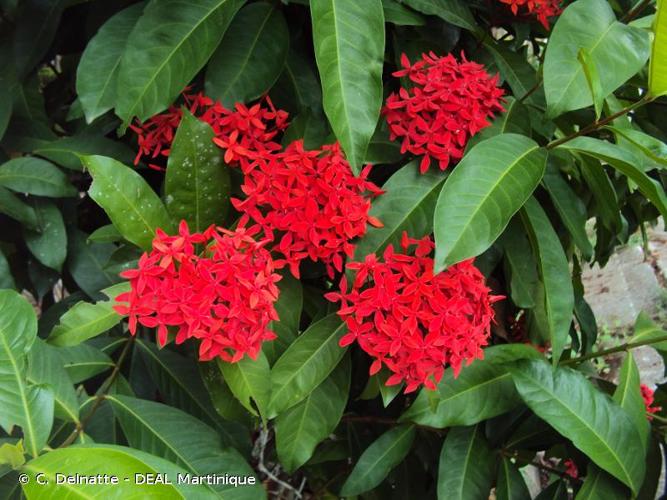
(449, 102)
(243, 131)
(571, 468)
(311, 199)
(224, 297)
(543, 9)
(412, 321)
(647, 396)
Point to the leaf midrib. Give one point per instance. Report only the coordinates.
(80, 327)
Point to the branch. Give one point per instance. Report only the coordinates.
(263, 440)
(613, 350)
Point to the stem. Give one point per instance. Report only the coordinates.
(636, 11)
(613, 350)
(547, 468)
(600, 123)
(657, 417)
(101, 394)
(532, 90)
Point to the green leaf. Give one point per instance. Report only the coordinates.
(658, 68)
(87, 263)
(521, 263)
(624, 162)
(97, 73)
(50, 245)
(196, 185)
(6, 278)
(298, 84)
(13, 207)
(168, 46)
(84, 361)
(305, 364)
(45, 368)
(301, 428)
(557, 303)
(555, 491)
(481, 391)
(606, 201)
(105, 234)
(590, 25)
(467, 465)
(455, 12)
(36, 28)
(30, 407)
(596, 425)
(250, 57)
(516, 70)
(479, 198)
(12, 454)
(629, 397)
(400, 15)
(593, 80)
(128, 200)
(647, 330)
(85, 320)
(224, 402)
(381, 149)
(653, 148)
(249, 381)
(119, 461)
(34, 176)
(570, 207)
(349, 50)
(66, 151)
(599, 485)
(379, 459)
(510, 484)
(288, 306)
(407, 205)
(182, 439)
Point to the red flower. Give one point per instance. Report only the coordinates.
(224, 297)
(543, 9)
(309, 202)
(647, 396)
(412, 321)
(243, 132)
(571, 468)
(449, 102)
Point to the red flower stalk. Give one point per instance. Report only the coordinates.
(309, 201)
(224, 297)
(244, 131)
(571, 468)
(542, 9)
(449, 102)
(647, 396)
(412, 321)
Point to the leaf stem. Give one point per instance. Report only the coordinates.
(636, 11)
(600, 123)
(613, 350)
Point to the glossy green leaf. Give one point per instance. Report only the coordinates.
(510, 484)
(183, 440)
(306, 363)
(288, 306)
(299, 84)
(467, 465)
(455, 12)
(381, 149)
(36, 28)
(249, 381)
(658, 67)
(14, 207)
(35, 176)
(97, 73)
(301, 428)
(593, 79)
(625, 163)
(516, 71)
(599, 485)
(120, 461)
(379, 459)
(128, 200)
(596, 425)
(6, 278)
(87, 261)
(83, 361)
(606, 200)
(555, 491)
(398, 14)
(557, 301)
(49, 245)
(481, 391)
(250, 57)
(590, 25)
(570, 207)
(653, 148)
(197, 181)
(170, 43)
(66, 151)
(86, 320)
(629, 397)
(521, 263)
(224, 402)
(45, 368)
(407, 205)
(479, 198)
(349, 50)
(105, 234)
(28, 406)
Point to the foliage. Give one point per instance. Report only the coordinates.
(238, 239)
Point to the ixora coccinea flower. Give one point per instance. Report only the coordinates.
(310, 202)
(412, 321)
(223, 296)
(448, 102)
(648, 397)
(542, 9)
